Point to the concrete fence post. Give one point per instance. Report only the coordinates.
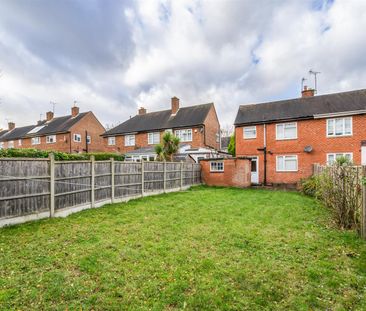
(52, 184)
(193, 174)
(142, 177)
(112, 180)
(164, 177)
(92, 163)
(181, 175)
(363, 209)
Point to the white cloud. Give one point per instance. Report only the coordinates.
(142, 54)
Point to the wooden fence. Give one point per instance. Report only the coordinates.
(349, 187)
(39, 188)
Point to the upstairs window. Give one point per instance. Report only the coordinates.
(129, 140)
(250, 132)
(184, 135)
(77, 138)
(287, 163)
(153, 138)
(216, 166)
(111, 141)
(19, 142)
(286, 131)
(51, 139)
(36, 140)
(11, 144)
(339, 127)
(88, 140)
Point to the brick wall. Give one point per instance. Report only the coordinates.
(212, 128)
(309, 132)
(236, 173)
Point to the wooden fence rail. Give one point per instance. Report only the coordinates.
(38, 188)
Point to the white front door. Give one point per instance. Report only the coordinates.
(363, 155)
(254, 171)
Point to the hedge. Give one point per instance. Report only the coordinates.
(59, 156)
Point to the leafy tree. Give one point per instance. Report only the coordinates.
(231, 147)
(168, 148)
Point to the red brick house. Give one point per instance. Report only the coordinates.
(285, 138)
(78, 132)
(197, 127)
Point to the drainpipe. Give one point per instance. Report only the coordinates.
(265, 154)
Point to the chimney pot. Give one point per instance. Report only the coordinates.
(49, 115)
(39, 122)
(142, 111)
(307, 92)
(11, 125)
(74, 111)
(175, 105)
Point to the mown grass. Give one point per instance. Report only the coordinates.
(207, 248)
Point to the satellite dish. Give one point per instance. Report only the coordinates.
(308, 149)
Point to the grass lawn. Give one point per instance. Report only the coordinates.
(206, 248)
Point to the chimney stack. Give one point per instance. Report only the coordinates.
(49, 115)
(142, 111)
(74, 111)
(175, 105)
(11, 125)
(307, 92)
(39, 122)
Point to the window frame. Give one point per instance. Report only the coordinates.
(284, 125)
(128, 140)
(177, 133)
(76, 140)
(110, 140)
(36, 140)
(152, 142)
(217, 169)
(335, 156)
(51, 142)
(284, 159)
(88, 139)
(334, 127)
(11, 144)
(250, 127)
(20, 142)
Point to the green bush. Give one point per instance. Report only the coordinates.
(310, 186)
(59, 156)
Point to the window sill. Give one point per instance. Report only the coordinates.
(338, 136)
(285, 139)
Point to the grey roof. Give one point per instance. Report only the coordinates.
(56, 125)
(141, 151)
(301, 108)
(225, 142)
(3, 132)
(186, 116)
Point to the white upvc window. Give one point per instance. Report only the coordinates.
(339, 127)
(1, 145)
(129, 140)
(77, 138)
(153, 138)
(11, 144)
(217, 166)
(19, 142)
(51, 139)
(184, 135)
(332, 157)
(36, 140)
(286, 163)
(286, 131)
(250, 132)
(88, 139)
(111, 141)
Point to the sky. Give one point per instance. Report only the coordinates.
(112, 57)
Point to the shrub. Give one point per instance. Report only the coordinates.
(59, 156)
(311, 186)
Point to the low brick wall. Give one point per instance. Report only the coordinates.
(236, 172)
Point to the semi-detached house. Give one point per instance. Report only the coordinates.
(197, 127)
(74, 133)
(285, 138)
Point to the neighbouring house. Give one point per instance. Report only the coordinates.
(225, 141)
(74, 133)
(228, 172)
(197, 127)
(285, 138)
